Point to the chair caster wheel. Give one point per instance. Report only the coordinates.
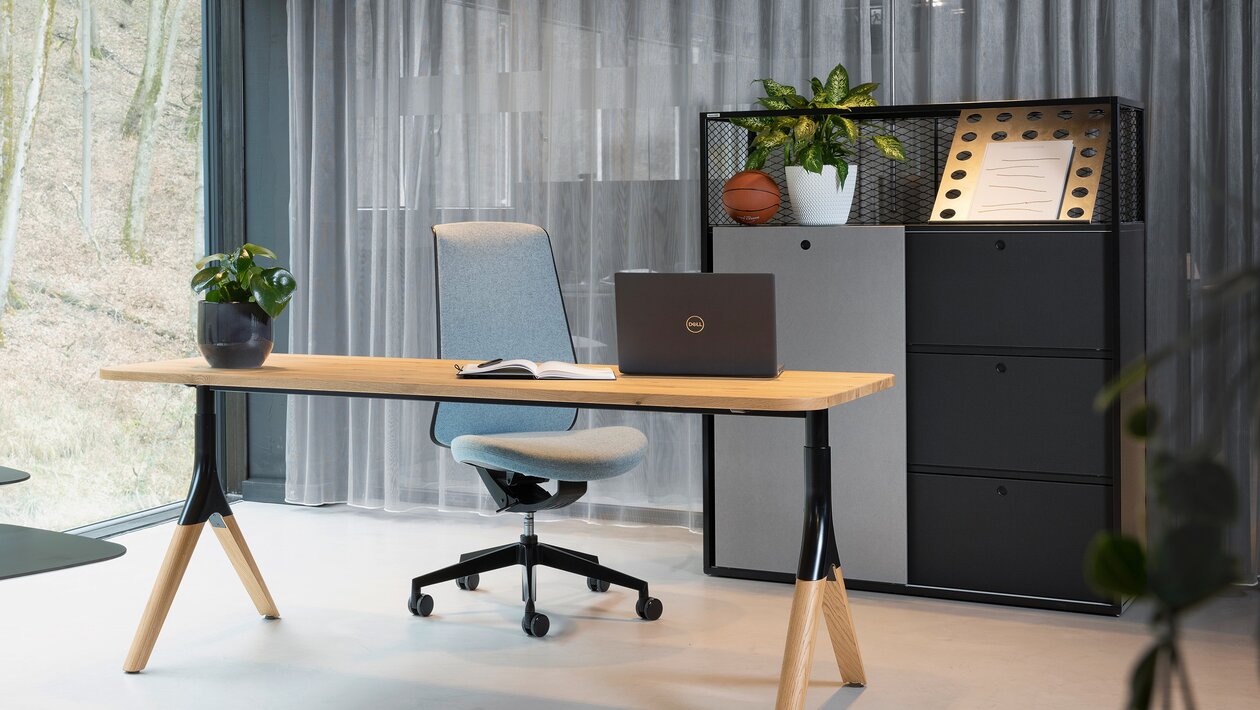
(420, 606)
(649, 608)
(535, 624)
(468, 583)
(597, 585)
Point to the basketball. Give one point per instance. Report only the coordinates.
(751, 197)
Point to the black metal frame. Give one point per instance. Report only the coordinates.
(1125, 211)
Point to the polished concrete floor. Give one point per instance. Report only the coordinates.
(340, 577)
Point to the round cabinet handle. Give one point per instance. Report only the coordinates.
(805, 244)
(1001, 490)
(1000, 368)
(1000, 244)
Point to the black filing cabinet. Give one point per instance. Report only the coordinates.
(1011, 333)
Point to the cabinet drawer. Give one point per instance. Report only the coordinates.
(1004, 535)
(1036, 290)
(1006, 413)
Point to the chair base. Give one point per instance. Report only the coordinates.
(529, 554)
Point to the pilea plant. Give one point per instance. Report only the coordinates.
(820, 139)
(236, 278)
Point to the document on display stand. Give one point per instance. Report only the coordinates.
(1021, 181)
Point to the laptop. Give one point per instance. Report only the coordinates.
(696, 324)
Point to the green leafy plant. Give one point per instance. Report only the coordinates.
(1186, 561)
(236, 278)
(821, 138)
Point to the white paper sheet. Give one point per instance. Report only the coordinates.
(1021, 181)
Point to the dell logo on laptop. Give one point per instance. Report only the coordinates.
(695, 324)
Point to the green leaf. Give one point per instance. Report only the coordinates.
(850, 126)
(1115, 565)
(864, 89)
(842, 171)
(256, 250)
(272, 290)
(205, 260)
(1142, 422)
(774, 104)
(771, 139)
(811, 158)
(858, 101)
(890, 147)
(776, 90)
(215, 296)
(1189, 565)
(1142, 679)
(805, 128)
(837, 86)
(1132, 374)
(757, 158)
(819, 90)
(756, 124)
(247, 276)
(796, 101)
(207, 277)
(1198, 489)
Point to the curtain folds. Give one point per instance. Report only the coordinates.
(580, 116)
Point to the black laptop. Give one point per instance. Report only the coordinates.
(696, 324)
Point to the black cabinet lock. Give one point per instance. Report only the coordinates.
(1001, 490)
(999, 244)
(1000, 367)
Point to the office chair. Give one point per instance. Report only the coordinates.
(498, 295)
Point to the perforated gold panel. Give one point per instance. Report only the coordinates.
(1088, 126)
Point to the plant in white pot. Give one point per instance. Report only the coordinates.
(818, 149)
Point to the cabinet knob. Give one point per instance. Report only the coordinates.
(1001, 490)
(805, 244)
(1000, 367)
(999, 244)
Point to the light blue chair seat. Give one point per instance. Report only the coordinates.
(582, 455)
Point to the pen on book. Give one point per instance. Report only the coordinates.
(488, 363)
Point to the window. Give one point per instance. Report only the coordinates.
(96, 249)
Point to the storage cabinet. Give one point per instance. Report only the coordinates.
(991, 477)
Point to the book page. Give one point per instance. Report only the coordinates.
(568, 371)
(517, 365)
(1021, 181)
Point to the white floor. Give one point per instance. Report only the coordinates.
(340, 577)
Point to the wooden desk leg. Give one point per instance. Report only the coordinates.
(205, 503)
(183, 542)
(814, 591)
(233, 542)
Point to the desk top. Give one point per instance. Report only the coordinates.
(792, 391)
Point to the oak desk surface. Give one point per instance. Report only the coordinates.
(792, 391)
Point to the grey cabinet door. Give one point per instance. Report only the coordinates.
(840, 306)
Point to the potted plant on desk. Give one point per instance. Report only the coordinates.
(818, 149)
(242, 300)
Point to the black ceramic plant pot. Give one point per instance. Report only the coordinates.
(235, 336)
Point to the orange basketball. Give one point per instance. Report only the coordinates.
(751, 197)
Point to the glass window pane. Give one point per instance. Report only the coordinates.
(102, 240)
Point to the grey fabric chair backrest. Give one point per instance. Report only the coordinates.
(498, 295)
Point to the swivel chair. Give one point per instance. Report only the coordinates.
(498, 295)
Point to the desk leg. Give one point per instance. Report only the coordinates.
(205, 503)
(819, 581)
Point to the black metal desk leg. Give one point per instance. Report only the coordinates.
(205, 503)
(819, 581)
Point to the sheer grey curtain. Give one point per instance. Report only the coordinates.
(577, 116)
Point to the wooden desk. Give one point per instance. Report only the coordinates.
(806, 395)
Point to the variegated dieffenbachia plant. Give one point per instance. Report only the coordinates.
(820, 139)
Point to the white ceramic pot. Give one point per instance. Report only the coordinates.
(815, 198)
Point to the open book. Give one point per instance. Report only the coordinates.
(550, 370)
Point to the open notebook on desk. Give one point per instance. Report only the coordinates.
(527, 369)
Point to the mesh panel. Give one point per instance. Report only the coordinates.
(892, 192)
